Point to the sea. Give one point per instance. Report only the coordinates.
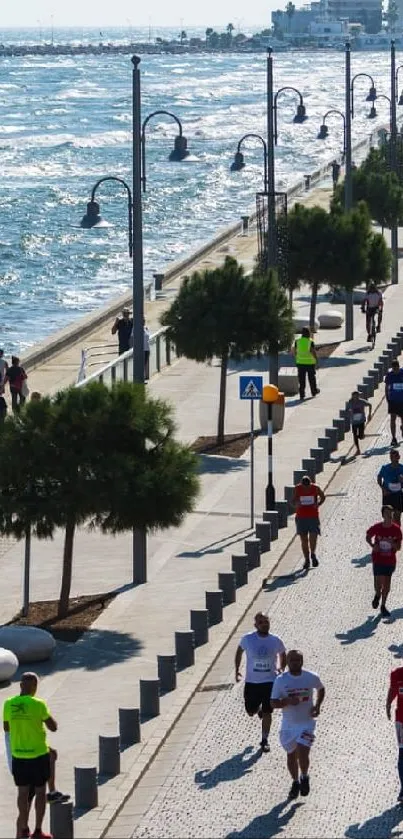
(65, 122)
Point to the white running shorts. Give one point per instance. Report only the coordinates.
(299, 733)
(399, 734)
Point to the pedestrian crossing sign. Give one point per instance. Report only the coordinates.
(250, 387)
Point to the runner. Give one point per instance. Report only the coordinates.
(385, 538)
(356, 408)
(293, 693)
(265, 657)
(372, 305)
(394, 396)
(307, 499)
(390, 479)
(396, 692)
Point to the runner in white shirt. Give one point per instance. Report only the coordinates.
(372, 305)
(265, 658)
(293, 693)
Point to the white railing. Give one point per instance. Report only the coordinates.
(162, 354)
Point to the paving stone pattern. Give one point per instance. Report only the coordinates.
(219, 787)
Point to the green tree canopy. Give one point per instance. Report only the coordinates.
(374, 183)
(93, 454)
(222, 313)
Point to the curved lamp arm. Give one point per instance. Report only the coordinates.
(400, 67)
(372, 93)
(93, 207)
(300, 116)
(143, 139)
(340, 114)
(264, 145)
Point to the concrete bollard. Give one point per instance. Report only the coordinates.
(245, 225)
(333, 436)
(379, 366)
(61, 820)
(282, 509)
(214, 606)
(167, 672)
(363, 391)
(369, 383)
(325, 444)
(109, 755)
(271, 516)
(85, 787)
(199, 624)
(319, 457)
(289, 495)
(374, 375)
(158, 281)
(185, 648)
(345, 416)
(227, 584)
(239, 565)
(308, 464)
(149, 698)
(263, 533)
(297, 476)
(339, 426)
(129, 726)
(253, 549)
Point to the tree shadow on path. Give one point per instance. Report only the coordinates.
(359, 633)
(268, 824)
(229, 770)
(379, 827)
(97, 649)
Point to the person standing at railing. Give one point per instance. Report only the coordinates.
(146, 352)
(123, 327)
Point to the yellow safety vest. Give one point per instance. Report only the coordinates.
(303, 351)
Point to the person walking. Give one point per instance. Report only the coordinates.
(265, 657)
(394, 398)
(25, 720)
(390, 480)
(3, 369)
(335, 173)
(372, 305)
(17, 378)
(123, 327)
(146, 352)
(307, 499)
(396, 692)
(293, 693)
(385, 539)
(356, 408)
(306, 360)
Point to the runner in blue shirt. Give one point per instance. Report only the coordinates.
(394, 396)
(390, 479)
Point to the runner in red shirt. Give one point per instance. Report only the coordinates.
(307, 499)
(385, 539)
(396, 692)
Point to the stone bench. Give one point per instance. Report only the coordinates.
(28, 643)
(300, 322)
(288, 380)
(332, 319)
(8, 664)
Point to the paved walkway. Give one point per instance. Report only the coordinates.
(209, 781)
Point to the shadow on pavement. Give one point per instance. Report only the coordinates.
(218, 546)
(284, 581)
(269, 824)
(361, 632)
(229, 770)
(101, 648)
(364, 348)
(362, 561)
(380, 450)
(379, 827)
(216, 465)
(396, 649)
(337, 361)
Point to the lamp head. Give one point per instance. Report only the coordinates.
(238, 162)
(92, 217)
(300, 116)
(372, 94)
(372, 114)
(180, 149)
(323, 132)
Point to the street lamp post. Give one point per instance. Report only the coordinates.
(394, 233)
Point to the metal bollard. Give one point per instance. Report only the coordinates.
(324, 443)
(199, 624)
(239, 565)
(158, 281)
(271, 516)
(308, 464)
(149, 698)
(339, 426)
(298, 474)
(263, 532)
(214, 606)
(227, 584)
(61, 820)
(245, 225)
(166, 672)
(332, 435)
(85, 787)
(253, 549)
(129, 726)
(289, 495)
(319, 457)
(185, 648)
(307, 181)
(282, 509)
(109, 756)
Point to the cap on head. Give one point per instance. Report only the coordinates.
(261, 617)
(306, 480)
(387, 509)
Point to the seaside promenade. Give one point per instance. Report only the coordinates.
(86, 683)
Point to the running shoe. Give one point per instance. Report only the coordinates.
(315, 561)
(306, 565)
(26, 833)
(40, 834)
(385, 612)
(60, 797)
(394, 442)
(400, 796)
(294, 791)
(304, 785)
(375, 602)
(264, 745)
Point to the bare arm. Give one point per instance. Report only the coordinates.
(282, 660)
(238, 659)
(314, 353)
(6, 726)
(389, 699)
(319, 699)
(322, 497)
(51, 724)
(287, 700)
(115, 327)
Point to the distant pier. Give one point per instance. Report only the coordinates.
(15, 50)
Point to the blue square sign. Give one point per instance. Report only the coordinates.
(250, 387)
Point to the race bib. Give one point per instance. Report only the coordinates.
(397, 386)
(305, 500)
(385, 545)
(261, 665)
(358, 417)
(395, 487)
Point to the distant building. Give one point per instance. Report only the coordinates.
(367, 12)
(299, 22)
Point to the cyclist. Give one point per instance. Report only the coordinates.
(372, 305)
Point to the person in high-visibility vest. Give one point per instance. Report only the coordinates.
(306, 361)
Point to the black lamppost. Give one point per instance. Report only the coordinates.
(400, 67)
(239, 160)
(180, 150)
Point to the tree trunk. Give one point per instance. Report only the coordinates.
(290, 296)
(67, 568)
(223, 395)
(312, 311)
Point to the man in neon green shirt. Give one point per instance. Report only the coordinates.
(25, 719)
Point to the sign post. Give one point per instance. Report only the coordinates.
(270, 396)
(251, 387)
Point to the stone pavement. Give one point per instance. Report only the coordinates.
(208, 779)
